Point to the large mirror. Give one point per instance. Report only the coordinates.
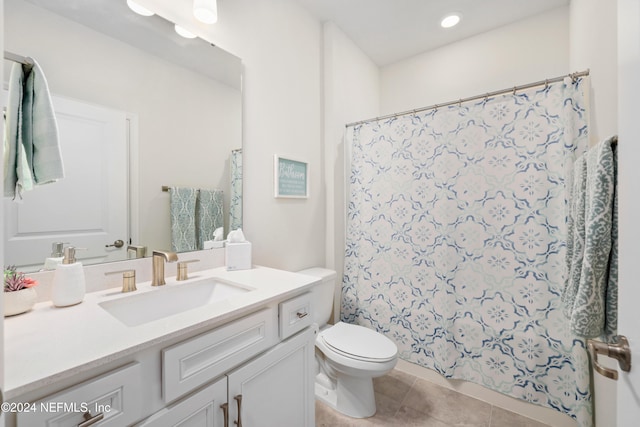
(139, 109)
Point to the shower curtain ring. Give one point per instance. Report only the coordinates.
(546, 83)
(514, 90)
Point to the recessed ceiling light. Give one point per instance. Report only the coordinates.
(140, 10)
(205, 11)
(450, 20)
(184, 33)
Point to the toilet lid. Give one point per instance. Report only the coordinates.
(359, 342)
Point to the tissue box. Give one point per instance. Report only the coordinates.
(238, 256)
(212, 244)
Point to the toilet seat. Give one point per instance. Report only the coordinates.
(359, 343)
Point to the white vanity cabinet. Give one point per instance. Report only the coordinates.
(277, 388)
(204, 408)
(112, 399)
(273, 389)
(250, 366)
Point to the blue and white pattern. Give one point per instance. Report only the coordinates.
(209, 214)
(183, 213)
(456, 241)
(235, 203)
(195, 214)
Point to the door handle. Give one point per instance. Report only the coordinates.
(619, 350)
(118, 244)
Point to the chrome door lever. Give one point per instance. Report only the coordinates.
(619, 350)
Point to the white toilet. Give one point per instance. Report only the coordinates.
(348, 356)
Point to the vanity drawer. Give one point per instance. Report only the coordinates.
(198, 360)
(295, 315)
(115, 395)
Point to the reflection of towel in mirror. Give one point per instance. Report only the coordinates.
(209, 215)
(590, 295)
(14, 157)
(32, 148)
(183, 213)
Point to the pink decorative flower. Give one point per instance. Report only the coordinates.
(15, 281)
(29, 282)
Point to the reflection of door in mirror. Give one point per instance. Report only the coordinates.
(86, 209)
(185, 94)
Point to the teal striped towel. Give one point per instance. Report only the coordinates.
(591, 288)
(183, 214)
(209, 214)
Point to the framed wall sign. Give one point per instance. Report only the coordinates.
(291, 177)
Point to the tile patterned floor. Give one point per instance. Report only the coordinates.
(407, 401)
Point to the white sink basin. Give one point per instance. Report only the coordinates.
(165, 301)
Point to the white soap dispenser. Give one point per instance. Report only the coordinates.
(57, 255)
(68, 286)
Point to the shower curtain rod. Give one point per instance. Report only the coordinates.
(17, 58)
(514, 89)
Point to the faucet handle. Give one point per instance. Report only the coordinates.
(168, 256)
(182, 269)
(140, 251)
(128, 279)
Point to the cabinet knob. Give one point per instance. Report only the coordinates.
(90, 420)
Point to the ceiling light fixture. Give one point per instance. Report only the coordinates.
(184, 33)
(450, 20)
(140, 10)
(205, 11)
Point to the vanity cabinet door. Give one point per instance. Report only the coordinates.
(197, 361)
(112, 399)
(276, 388)
(203, 408)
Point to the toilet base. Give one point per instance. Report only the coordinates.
(348, 395)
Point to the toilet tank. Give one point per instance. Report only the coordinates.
(322, 294)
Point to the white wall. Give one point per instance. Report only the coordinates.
(177, 145)
(526, 51)
(593, 38)
(351, 92)
(280, 46)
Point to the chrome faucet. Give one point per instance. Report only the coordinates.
(158, 259)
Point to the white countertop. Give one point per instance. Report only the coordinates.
(48, 344)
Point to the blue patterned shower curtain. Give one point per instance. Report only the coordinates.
(456, 236)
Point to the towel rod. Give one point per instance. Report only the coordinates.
(165, 188)
(17, 58)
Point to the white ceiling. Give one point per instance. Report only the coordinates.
(392, 30)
